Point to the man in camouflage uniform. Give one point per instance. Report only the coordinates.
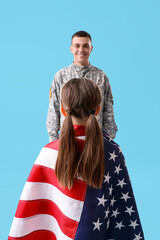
(81, 48)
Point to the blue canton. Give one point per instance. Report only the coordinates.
(111, 212)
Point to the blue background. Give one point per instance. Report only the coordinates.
(34, 45)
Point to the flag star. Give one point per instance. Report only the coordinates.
(112, 201)
(110, 139)
(121, 183)
(125, 196)
(133, 224)
(120, 150)
(113, 156)
(119, 225)
(106, 178)
(129, 210)
(137, 237)
(102, 200)
(118, 169)
(110, 190)
(97, 225)
(115, 213)
(108, 222)
(106, 213)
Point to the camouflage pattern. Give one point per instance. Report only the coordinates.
(55, 117)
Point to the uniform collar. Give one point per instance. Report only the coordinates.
(78, 68)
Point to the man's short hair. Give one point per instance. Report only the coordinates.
(81, 34)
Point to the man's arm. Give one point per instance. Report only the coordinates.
(108, 115)
(53, 117)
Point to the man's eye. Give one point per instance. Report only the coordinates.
(86, 46)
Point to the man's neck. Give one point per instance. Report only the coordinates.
(81, 65)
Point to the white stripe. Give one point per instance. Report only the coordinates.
(82, 137)
(23, 226)
(70, 207)
(47, 157)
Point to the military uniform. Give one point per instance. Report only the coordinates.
(106, 115)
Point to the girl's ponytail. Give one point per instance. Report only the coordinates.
(91, 163)
(67, 154)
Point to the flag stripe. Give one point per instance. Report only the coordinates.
(40, 235)
(47, 157)
(70, 207)
(44, 205)
(24, 226)
(47, 175)
(30, 208)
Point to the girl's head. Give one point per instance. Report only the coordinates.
(80, 100)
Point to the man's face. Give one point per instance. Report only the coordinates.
(81, 48)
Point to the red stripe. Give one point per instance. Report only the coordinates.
(30, 208)
(37, 235)
(53, 145)
(79, 131)
(47, 175)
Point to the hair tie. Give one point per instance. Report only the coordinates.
(89, 112)
(68, 111)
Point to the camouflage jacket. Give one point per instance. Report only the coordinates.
(55, 117)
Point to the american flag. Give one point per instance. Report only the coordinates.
(48, 211)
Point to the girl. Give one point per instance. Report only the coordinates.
(79, 186)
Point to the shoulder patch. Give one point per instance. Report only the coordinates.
(50, 93)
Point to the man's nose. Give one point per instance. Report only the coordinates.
(81, 48)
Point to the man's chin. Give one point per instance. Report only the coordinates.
(82, 60)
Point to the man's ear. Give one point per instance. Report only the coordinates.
(63, 111)
(71, 48)
(97, 110)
